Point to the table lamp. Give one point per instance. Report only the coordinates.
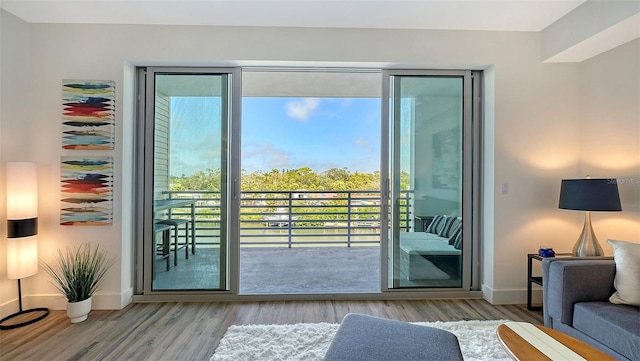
(589, 195)
(22, 241)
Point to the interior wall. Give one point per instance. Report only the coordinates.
(15, 127)
(610, 136)
(533, 117)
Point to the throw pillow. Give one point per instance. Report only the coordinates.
(458, 241)
(627, 279)
(450, 227)
(436, 224)
(452, 239)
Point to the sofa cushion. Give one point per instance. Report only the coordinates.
(426, 244)
(452, 239)
(616, 326)
(576, 280)
(437, 224)
(627, 279)
(451, 226)
(457, 242)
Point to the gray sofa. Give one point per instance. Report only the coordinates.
(576, 295)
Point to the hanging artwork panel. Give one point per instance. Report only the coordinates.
(88, 114)
(86, 191)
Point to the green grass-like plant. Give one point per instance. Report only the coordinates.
(79, 272)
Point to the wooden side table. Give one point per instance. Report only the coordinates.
(531, 279)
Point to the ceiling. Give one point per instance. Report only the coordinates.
(506, 15)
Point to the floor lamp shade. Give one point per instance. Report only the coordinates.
(22, 240)
(22, 257)
(589, 195)
(22, 220)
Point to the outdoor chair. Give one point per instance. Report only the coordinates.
(175, 223)
(162, 249)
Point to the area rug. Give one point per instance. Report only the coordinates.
(310, 341)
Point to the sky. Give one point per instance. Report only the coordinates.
(279, 133)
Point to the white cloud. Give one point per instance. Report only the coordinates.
(265, 156)
(362, 143)
(302, 109)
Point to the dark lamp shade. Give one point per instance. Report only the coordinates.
(590, 195)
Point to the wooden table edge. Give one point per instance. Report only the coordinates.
(523, 350)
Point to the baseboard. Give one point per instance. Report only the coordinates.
(510, 297)
(101, 301)
(10, 307)
(487, 293)
(126, 297)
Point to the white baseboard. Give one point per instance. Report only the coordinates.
(101, 301)
(126, 297)
(510, 297)
(10, 307)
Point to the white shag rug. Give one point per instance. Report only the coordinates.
(310, 341)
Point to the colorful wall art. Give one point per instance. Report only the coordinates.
(87, 191)
(88, 114)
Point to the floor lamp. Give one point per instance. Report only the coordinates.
(22, 241)
(589, 195)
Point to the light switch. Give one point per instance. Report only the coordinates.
(504, 188)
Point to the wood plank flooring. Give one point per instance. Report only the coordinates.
(191, 331)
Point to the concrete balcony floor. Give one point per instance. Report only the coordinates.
(298, 270)
(270, 270)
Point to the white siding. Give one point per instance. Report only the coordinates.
(161, 148)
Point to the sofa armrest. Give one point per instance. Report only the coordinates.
(569, 281)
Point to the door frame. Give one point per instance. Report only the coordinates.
(144, 190)
(144, 182)
(471, 186)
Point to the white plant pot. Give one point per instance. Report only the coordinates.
(78, 311)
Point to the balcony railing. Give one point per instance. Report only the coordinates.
(295, 218)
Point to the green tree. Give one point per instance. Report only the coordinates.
(305, 178)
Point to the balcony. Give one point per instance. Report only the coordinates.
(291, 242)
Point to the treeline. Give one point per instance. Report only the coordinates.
(335, 179)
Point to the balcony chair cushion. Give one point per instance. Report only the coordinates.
(437, 224)
(451, 226)
(457, 240)
(420, 253)
(368, 338)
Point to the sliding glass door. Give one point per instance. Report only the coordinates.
(430, 179)
(417, 217)
(188, 183)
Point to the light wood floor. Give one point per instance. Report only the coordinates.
(191, 331)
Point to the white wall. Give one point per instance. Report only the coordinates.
(15, 127)
(533, 116)
(590, 29)
(610, 135)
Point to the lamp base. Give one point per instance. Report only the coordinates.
(44, 312)
(27, 320)
(587, 245)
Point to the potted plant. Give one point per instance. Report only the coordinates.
(77, 275)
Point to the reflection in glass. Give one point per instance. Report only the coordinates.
(427, 120)
(189, 126)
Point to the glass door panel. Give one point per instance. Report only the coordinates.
(190, 136)
(426, 171)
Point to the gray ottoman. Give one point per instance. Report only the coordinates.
(367, 338)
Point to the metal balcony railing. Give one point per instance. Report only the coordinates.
(295, 218)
